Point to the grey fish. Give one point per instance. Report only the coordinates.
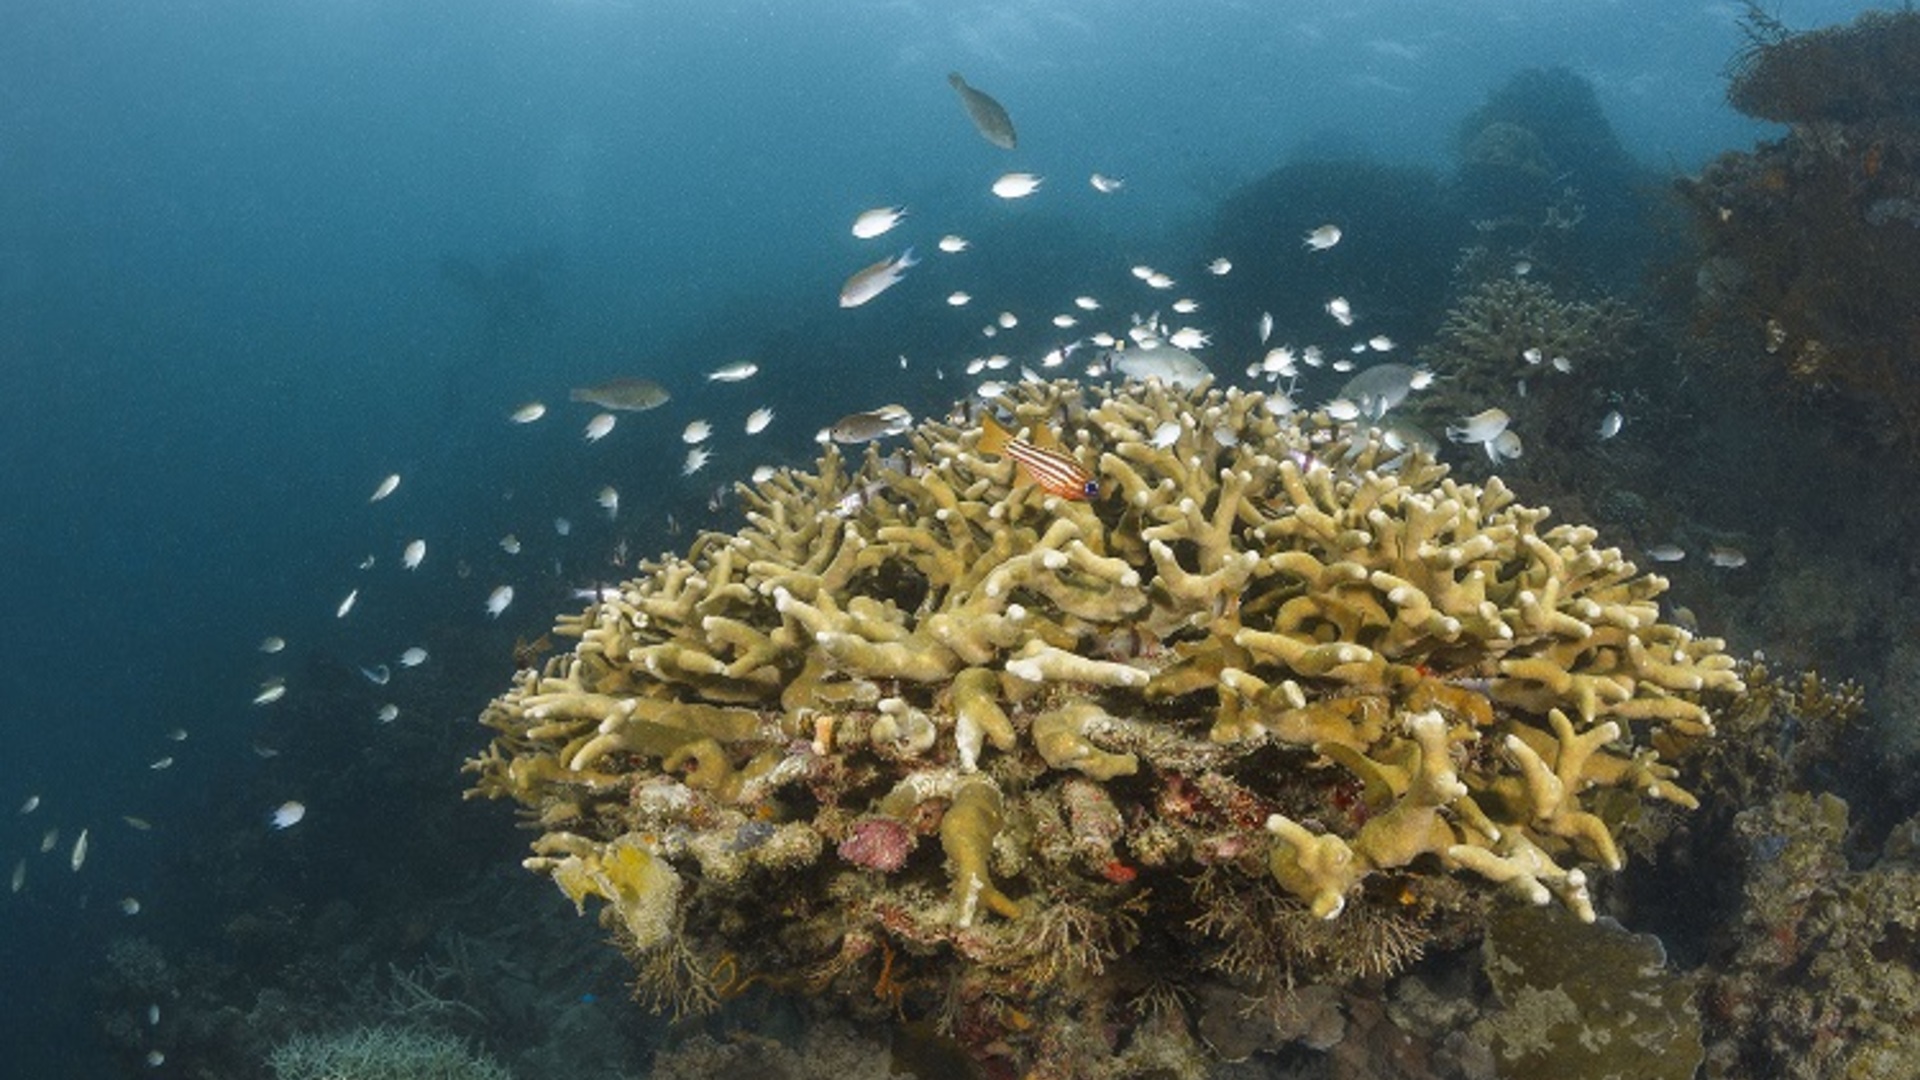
(1382, 387)
(867, 426)
(1400, 433)
(629, 394)
(988, 117)
(1170, 364)
(876, 279)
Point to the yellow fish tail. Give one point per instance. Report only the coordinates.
(993, 436)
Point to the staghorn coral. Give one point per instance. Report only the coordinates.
(381, 1053)
(1546, 361)
(1270, 668)
(1484, 345)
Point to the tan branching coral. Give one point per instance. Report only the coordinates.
(889, 740)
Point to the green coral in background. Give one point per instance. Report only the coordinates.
(381, 1053)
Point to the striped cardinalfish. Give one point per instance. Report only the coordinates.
(1055, 471)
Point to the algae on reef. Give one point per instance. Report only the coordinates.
(1810, 261)
(1595, 1003)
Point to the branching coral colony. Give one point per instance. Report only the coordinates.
(1276, 705)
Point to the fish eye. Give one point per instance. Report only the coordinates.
(1091, 490)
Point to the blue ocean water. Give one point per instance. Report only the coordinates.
(256, 257)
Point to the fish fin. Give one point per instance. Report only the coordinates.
(906, 260)
(993, 436)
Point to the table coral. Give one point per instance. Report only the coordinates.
(1268, 707)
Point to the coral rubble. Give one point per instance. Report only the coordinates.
(1277, 706)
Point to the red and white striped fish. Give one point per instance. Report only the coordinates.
(1055, 471)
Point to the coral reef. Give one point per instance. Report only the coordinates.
(1823, 979)
(1546, 181)
(1809, 263)
(825, 1051)
(381, 1053)
(1278, 707)
(1846, 74)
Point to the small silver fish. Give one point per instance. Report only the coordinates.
(386, 488)
(1482, 427)
(1017, 185)
(874, 424)
(498, 599)
(866, 284)
(1610, 424)
(745, 369)
(878, 221)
